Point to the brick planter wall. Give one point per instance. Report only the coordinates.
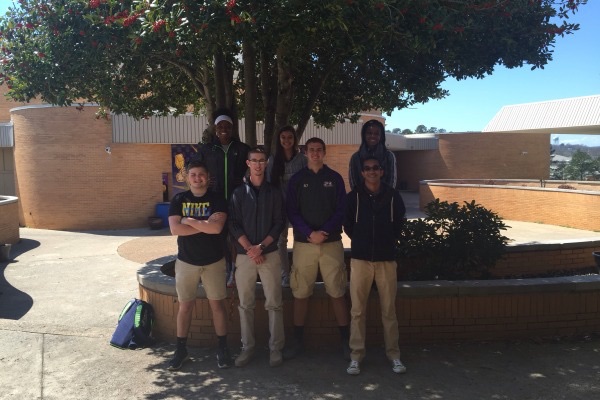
(9, 220)
(539, 259)
(515, 200)
(432, 311)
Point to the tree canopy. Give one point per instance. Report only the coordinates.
(279, 61)
(581, 165)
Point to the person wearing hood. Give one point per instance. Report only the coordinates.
(373, 145)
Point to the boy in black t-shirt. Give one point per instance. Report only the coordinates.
(197, 217)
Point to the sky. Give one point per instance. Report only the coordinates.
(472, 103)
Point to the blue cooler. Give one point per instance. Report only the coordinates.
(162, 211)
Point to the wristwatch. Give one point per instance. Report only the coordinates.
(262, 246)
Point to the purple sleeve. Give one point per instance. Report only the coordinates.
(291, 204)
(334, 224)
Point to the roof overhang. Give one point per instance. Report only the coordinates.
(577, 115)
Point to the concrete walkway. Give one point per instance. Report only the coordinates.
(61, 295)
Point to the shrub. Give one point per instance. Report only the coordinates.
(452, 242)
(565, 186)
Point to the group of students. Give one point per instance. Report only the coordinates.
(254, 208)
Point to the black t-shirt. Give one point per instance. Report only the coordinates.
(200, 248)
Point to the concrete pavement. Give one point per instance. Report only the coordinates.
(61, 295)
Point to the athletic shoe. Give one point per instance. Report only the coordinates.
(353, 368)
(398, 367)
(293, 349)
(244, 357)
(177, 361)
(285, 281)
(223, 357)
(275, 359)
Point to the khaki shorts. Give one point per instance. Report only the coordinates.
(187, 277)
(328, 258)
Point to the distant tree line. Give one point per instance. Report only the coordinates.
(418, 129)
(582, 166)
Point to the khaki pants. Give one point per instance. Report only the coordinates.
(362, 274)
(309, 259)
(212, 276)
(270, 276)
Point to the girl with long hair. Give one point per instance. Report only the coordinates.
(285, 162)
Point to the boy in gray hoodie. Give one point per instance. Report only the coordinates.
(373, 145)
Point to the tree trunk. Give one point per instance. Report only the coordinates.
(219, 74)
(210, 107)
(224, 91)
(268, 84)
(285, 90)
(310, 102)
(249, 58)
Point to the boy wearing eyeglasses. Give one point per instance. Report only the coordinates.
(373, 220)
(255, 223)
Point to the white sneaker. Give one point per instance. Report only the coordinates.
(398, 367)
(353, 368)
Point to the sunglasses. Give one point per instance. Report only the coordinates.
(366, 168)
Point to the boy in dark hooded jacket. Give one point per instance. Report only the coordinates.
(373, 145)
(373, 221)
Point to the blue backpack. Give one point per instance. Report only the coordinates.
(134, 327)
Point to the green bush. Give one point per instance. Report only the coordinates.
(451, 242)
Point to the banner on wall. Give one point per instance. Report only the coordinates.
(180, 156)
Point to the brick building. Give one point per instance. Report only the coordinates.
(73, 171)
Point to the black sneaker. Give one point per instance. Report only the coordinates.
(180, 357)
(223, 358)
(292, 349)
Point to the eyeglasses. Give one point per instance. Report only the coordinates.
(366, 168)
(254, 161)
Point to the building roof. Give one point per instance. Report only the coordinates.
(579, 115)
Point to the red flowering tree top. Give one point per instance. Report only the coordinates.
(281, 61)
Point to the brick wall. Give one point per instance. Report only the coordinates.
(574, 209)
(338, 159)
(428, 312)
(70, 144)
(545, 259)
(66, 180)
(494, 317)
(6, 104)
(477, 155)
(9, 221)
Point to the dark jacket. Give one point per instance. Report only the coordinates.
(386, 158)
(217, 162)
(373, 223)
(316, 202)
(256, 214)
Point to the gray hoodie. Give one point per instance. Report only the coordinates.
(386, 158)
